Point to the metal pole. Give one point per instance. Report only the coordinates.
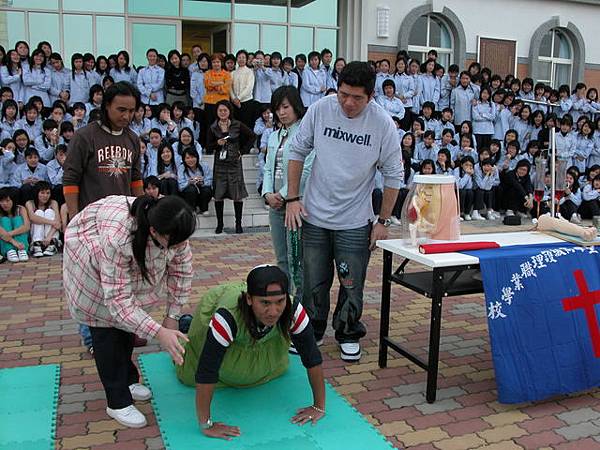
(537, 102)
(553, 168)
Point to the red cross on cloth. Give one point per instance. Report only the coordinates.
(587, 301)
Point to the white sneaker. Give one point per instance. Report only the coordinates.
(50, 250)
(12, 256)
(490, 215)
(129, 416)
(23, 256)
(576, 219)
(350, 351)
(319, 342)
(522, 215)
(509, 213)
(206, 213)
(461, 218)
(395, 220)
(477, 216)
(36, 250)
(468, 217)
(140, 392)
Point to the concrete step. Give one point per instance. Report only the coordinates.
(251, 217)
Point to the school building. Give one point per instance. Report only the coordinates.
(550, 40)
(554, 41)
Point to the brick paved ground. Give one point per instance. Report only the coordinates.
(35, 328)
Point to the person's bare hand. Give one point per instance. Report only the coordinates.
(221, 142)
(221, 431)
(294, 212)
(306, 415)
(274, 200)
(169, 340)
(378, 233)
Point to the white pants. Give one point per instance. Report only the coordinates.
(40, 231)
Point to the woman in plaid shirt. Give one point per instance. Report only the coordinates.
(121, 256)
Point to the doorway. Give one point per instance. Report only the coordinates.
(211, 36)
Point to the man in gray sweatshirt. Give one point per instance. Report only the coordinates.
(351, 136)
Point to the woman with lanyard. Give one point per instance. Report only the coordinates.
(239, 337)
(287, 106)
(228, 139)
(121, 256)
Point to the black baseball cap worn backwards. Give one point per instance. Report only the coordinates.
(262, 276)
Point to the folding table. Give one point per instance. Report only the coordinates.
(446, 275)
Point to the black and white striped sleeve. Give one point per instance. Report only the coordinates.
(221, 333)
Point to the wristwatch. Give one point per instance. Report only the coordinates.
(206, 425)
(385, 222)
(174, 317)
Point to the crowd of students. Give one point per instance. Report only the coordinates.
(473, 124)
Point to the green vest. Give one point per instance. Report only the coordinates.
(247, 362)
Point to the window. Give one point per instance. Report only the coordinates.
(34, 4)
(162, 37)
(274, 39)
(99, 6)
(556, 59)
(430, 33)
(326, 38)
(154, 7)
(220, 9)
(78, 36)
(245, 35)
(14, 23)
(315, 12)
(44, 27)
(110, 34)
(301, 41)
(275, 11)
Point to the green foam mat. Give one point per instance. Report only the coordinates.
(263, 414)
(29, 397)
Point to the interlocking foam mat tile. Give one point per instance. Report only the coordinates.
(28, 402)
(263, 414)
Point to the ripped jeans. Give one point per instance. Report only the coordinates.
(349, 251)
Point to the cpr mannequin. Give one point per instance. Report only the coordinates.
(548, 223)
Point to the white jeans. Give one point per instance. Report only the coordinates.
(40, 231)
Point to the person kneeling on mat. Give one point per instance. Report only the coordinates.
(121, 256)
(239, 337)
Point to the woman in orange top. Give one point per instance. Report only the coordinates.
(217, 84)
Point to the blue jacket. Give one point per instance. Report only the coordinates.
(55, 172)
(37, 82)
(151, 80)
(22, 172)
(59, 82)
(269, 169)
(484, 115)
(464, 182)
(405, 87)
(79, 86)
(7, 167)
(121, 75)
(197, 89)
(381, 77)
(183, 177)
(312, 82)
(262, 85)
(430, 88)
(141, 129)
(44, 148)
(393, 106)
(33, 131)
(460, 102)
(14, 82)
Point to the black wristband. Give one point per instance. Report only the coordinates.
(292, 200)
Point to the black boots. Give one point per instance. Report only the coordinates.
(219, 212)
(238, 206)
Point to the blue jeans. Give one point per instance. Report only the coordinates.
(86, 336)
(282, 247)
(349, 251)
